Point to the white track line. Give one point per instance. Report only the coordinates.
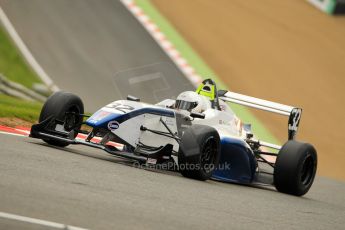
(26, 52)
(24, 131)
(13, 134)
(79, 137)
(39, 221)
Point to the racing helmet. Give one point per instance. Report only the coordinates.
(192, 102)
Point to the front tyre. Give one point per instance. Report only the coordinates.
(295, 168)
(65, 107)
(199, 152)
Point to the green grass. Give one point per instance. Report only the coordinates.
(12, 64)
(12, 107)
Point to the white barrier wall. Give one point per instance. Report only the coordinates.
(330, 6)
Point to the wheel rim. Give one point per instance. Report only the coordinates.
(308, 170)
(71, 119)
(209, 154)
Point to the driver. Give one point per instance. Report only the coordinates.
(192, 102)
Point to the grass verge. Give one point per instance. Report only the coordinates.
(15, 111)
(12, 64)
(24, 110)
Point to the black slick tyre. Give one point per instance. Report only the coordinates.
(63, 106)
(295, 168)
(199, 152)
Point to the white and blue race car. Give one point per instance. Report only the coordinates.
(198, 132)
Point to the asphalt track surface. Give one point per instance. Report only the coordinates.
(85, 187)
(84, 44)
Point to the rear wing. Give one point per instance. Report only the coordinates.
(293, 113)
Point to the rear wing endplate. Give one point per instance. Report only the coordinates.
(293, 113)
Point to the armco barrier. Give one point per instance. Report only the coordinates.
(333, 7)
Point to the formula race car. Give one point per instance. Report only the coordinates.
(198, 132)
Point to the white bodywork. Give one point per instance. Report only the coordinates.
(224, 120)
(125, 130)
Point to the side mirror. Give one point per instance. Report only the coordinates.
(197, 115)
(132, 98)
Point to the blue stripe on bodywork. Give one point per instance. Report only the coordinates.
(235, 153)
(121, 117)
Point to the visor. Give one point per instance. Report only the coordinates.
(185, 105)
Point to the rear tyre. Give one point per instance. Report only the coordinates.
(295, 168)
(199, 152)
(57, 105)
